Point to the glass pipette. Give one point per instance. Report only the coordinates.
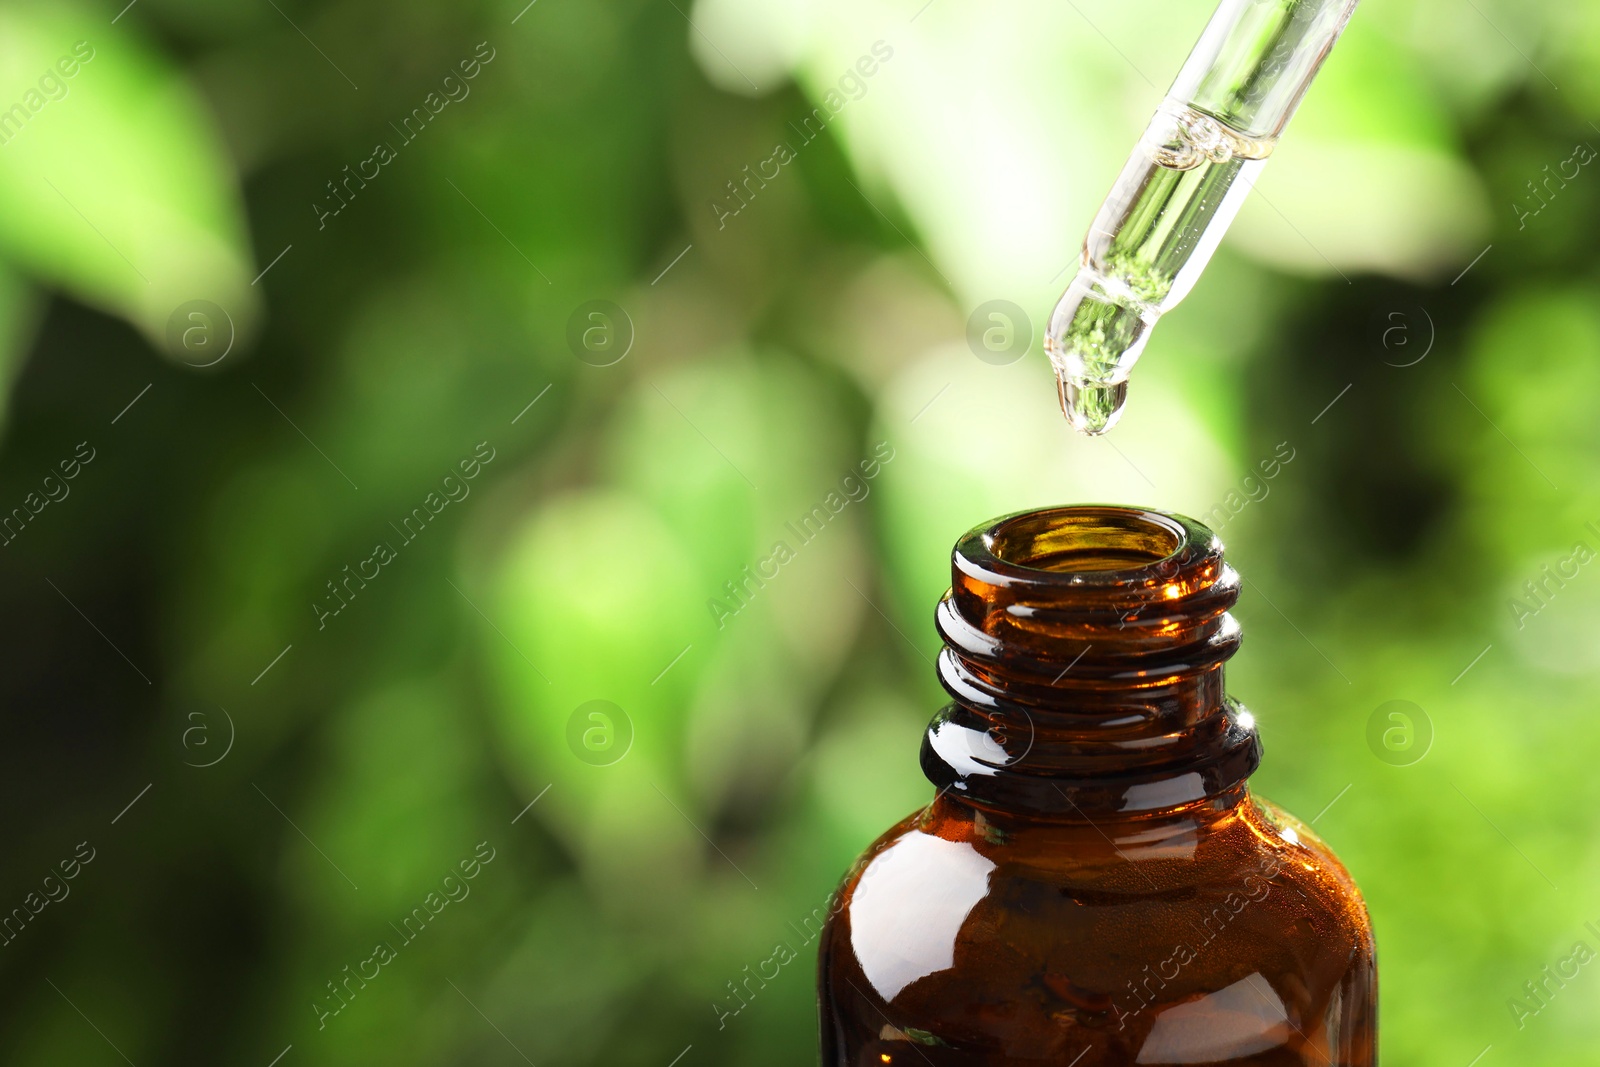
(1179, 190)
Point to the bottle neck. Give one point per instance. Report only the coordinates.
(1084, 652)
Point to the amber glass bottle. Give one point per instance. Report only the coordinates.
(1093, 884)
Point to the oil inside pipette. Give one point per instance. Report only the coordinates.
(1149, 242)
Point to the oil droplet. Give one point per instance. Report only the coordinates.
(1092, 408)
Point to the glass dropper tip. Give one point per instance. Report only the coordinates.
(1092, 408)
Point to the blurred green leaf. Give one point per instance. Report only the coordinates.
(117, 186)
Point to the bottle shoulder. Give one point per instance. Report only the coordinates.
(942, 886)
(1117, 857)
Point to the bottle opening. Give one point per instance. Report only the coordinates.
(1083, 655)
(1085, 539)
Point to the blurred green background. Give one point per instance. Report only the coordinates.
(272, 763)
